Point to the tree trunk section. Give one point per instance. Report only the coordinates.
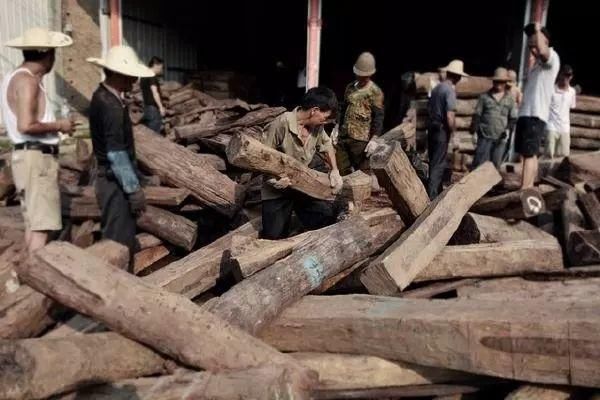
(146, 258)
(585, 120)
(147, 240)
(588, 104)
(492, 230)
(591, 208)
(168, 226)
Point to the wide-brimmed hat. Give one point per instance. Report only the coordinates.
(123, 60)
(501, 75)
(456, 67)
(364, 65)
(40, 39)
(512, 77)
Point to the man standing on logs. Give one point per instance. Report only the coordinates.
(32, 129)
(299, 134)
(495, 116)
(558, 135)
(537, 95)
(361, 117)
(118, 188)
(442, 106)
(154, 111)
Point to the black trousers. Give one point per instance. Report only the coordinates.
(152, 118)
(350, 154)
(437, 141)
(117, 221)
(277, 214)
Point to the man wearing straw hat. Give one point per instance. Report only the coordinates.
(118, 188)
(33, 130)
(495, 115)
(442, 106)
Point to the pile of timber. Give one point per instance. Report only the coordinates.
(465, 295)
(585, 124)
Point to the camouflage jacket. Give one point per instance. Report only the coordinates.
(362, 112)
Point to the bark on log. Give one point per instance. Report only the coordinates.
(588, 104)
(585, 120)
(585, 143)
(591, 208)
(168, 226)
(418, 246)
(212, 159)
(494, 229)
(246, 152)
(110, 252)
(248, 258)
(527, 392)
(177, 166)
(165, 196)
(397, 176)
(217, 143)
(145, 258)
(172, 324)
(147, 240)
(494, 259)
(395, 392)
(549, 342)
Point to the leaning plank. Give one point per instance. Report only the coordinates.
(546, 342)
(180, 167)
(168, 226)
(492, 229)
(494, 259)
(169, 323)
(397, 176)
(246, 152)
(591, 208)
(418, 246)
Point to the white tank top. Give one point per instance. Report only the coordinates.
(10, 119)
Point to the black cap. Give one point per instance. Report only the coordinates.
(530, 30)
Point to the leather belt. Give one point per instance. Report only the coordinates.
(44, 148)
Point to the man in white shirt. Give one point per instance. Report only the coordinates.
(537, 94)
(558, 135)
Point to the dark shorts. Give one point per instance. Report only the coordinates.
(529, 135)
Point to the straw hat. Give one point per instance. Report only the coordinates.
(456, 67)
(123, 60)
(512, 77)
(365, 65)
(501, 75)
(40, 39)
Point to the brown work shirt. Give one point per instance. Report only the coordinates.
(283, 135)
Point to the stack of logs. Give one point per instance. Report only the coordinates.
(466, 295)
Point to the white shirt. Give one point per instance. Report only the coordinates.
(539, 87)
(560, 109)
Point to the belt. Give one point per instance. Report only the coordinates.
(44, 148)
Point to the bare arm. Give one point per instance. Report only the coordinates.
(331, 158)
(451, 118)
(157, 99)
(27, 94)
(542, 44)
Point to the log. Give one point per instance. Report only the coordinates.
(214, 160)
(145, 258)
(492, 229)
(578, 133)
(29, 368)
(168, 226)
(579, 168)
(411, 391)
(170, 324)
(267, 382)
(588, 104)
(397, 176)
(418, 246)
(510, 205)
(111, 252)
(463, 123)
(165, 196)
(437, 288)
(247, 258)
(179, 167)
(254, 302)
(546, 342)
(494, 259)
(217, 143)
(83, 235)
(585, 120)
(591, 208)
(246, 152)
(592, 186)
(147, 240)
(585, 143)
(584, 247)
(527, 392)
(572, 218)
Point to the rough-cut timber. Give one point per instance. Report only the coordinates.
(494, 259)
(494, 229)
(255, 301)
(546, 342)
(180, 167)
(167, 322)
(580, 168)
(591, 208)
(589, 104)
(147, 240)
(586, 143)
(147, 257)
(472, 86)
(111, 252)
(578, 132)
(397, 176)
(247, 258)
(510, 205)
(168, 226)
(36, 368)
(266, 382)
(584, 247)
(585, 120)
(572, 221)
(246, 152)
(537, 392)
(418, 245)
(165, 196)
(83, 235)
(217, 162)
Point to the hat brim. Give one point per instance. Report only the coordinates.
(56, 40)
(135, 70)
(358, 72)
(499, 79)
(453, 71)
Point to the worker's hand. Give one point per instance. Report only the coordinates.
(372, 146)
(537, 27)
(137, 202)
(163, 111)
(281, 183)
(67, 125)
(335, 180)
(335, 134)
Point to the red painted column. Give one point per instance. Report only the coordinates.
(313, 43)
(115, 23)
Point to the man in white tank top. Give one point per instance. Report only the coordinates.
(32, 128)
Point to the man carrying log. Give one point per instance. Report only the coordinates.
(361, 117)
(442, 106)
(558, 135)
(32, 128)
(495, 116)
(299, 134)
(118, 188)
(537, 95)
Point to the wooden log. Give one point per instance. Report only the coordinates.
(266, 382)
(111, 252)
(585, 143)
(588, 104)
(83, 235)
(172, 324)
(180, 97)
(397, 176)
(165, 196)
(572, 218)
(147, 240)
(255, 301)
(168, 226)
(418, 246)
(591, 208)
(592, 186)
(246, 152)
(546, 342)
(527, 392)
(437, 288)
(396, 392)
(510, 205)
(247, 258)
(180, 167)
(579, 168)
(494, 259)
(494, 229)
(217, 143)
(585, 120)
(29, 368)
(145, 258)
(584, 247)
(214, 160)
